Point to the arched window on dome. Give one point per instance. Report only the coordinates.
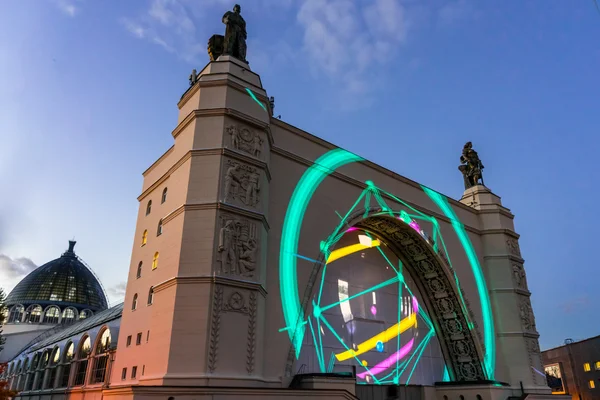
(151, 296)
(16, 314)
(159, 228)
(139, 271)
(101, 358)
(68, 316)
(52, 315)
(85, 314)
(33, 314)
(145, 237)
(51, 374)
(149, 207)
(164, 196)
(65, 370)
(81, 362)
(38, 379)
(155, 261)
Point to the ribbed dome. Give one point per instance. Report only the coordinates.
(64, 281)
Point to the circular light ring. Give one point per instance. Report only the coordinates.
(290, 300)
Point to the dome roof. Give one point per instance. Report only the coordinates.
(64, 281)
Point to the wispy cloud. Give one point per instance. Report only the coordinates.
(68, 7)
(343, 40)
(117, 292)
(12, 270)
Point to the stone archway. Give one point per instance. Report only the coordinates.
(431, 274)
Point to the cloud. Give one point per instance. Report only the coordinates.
(575, 304)
(117, 292)
(68, 7)
(15, 269)
(344, 40)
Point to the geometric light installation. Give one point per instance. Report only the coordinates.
(297, 322)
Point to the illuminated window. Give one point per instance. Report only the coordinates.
(149, 207)
(597, 365)
(591, 384)
(586, 367)
(150, 296)
(52, 315)
(134, 302)
(159, 229)
(82, 362)
(66, 365)
(100, 363)
(139, 271)
(164, 196)
(144, 237)
(155, 261)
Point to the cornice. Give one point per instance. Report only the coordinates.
(520, 291)
(204, 279)
(519, 334)
(362, 185)
(218, 206)
(207, 152)
(509, 257)
(161, 158)
(506, 232)
(219, 112)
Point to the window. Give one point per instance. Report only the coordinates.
(586, 367)
(33, 314)
(597, 365)
(144, 237)
(147, 336)
(128, 340)
(82, 362)
(52, 315)
(155, 261)
(139, 271)
(134, 302)
(138, 340)
(101, 358)
(591, 384)
(16, 314)
(66, 371)
(164, 196)
(38, 378)
(54, 360)
(149, 207)
(143, 369)
(124, 374)
(159, 229)
(133, 372)
(68, 316)
(85, 314)
(150, 296)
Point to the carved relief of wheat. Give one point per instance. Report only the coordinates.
(251, 346)
(214, 330)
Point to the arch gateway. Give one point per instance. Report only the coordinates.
(291, 268)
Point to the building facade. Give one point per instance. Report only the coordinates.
(574, 368)
(270, 263)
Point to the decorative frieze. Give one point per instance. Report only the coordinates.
(513, 247)
(526, 314)
(238, 247)
(519, 277)
(245, 140)
(241, 184)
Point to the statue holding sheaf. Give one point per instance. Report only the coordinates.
(471, 168)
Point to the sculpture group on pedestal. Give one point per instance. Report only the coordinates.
(471, 168)
(234, 42)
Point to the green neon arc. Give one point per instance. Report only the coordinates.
(486, 308)
(312, 178)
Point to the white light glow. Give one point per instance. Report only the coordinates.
(365, 240)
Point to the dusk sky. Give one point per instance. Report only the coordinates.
(88, 95)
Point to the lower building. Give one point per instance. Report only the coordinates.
(574, 368)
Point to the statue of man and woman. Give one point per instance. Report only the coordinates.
(471, 166)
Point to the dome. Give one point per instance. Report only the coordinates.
(66, 281)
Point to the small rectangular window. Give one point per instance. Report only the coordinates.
(128, 340)
(143, 369)
(147, 336)
(133, 372)
(597, 365)
(124, 374)
(591, 384)
(138, 341)
(586, 367)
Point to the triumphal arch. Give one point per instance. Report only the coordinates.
(291, 268)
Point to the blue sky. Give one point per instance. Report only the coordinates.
(89, 90)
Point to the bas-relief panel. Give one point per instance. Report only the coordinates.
(227, 300)
(246, 140)
(238, 247)
(241, 184)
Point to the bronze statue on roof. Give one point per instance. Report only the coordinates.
(235, 34)
(471, 166)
